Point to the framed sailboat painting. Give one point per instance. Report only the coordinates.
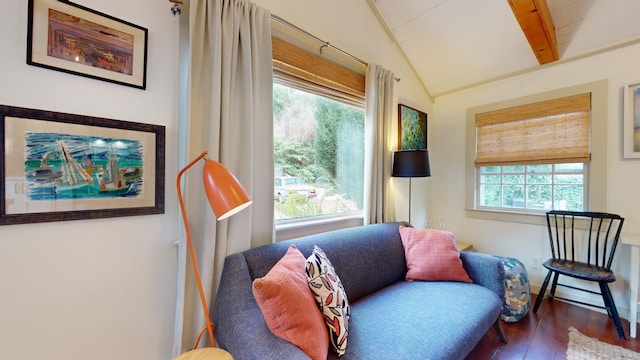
(58, 166)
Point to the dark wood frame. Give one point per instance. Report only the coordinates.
(37, 52)
(133, 129)
(422, 119)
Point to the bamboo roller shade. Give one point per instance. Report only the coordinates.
(547, 132)
(298, 65)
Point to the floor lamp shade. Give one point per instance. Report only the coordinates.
(226, 197)
(411, 163)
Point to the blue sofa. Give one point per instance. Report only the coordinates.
(390, 318)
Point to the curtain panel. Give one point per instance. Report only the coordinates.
(230, 111)
(379, 107)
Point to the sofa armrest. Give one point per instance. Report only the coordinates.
(240, 327)
(485, 270)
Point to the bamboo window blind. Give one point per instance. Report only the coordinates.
(547, 132)
(297, 68)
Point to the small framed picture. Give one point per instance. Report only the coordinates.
(74, 39)
(412, 128)
(631, 131)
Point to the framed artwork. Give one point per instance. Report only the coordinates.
(412, 128)
(631, 142)
(74, 39)
(58, 166)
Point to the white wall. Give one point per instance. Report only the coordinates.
(523, 241)
(106, 289)
(92, 289)
(353, 27)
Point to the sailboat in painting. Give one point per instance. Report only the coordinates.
(45, 171)
(75, 181)
(112, 181)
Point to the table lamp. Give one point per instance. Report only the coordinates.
(226, 197)
(411, 163)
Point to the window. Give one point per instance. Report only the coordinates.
(319, 155)
(529, 155)
(516, 140)
(318, 137)
(540, 187)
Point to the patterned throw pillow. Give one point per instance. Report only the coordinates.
(331, 298)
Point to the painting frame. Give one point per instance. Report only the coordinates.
(26, 197)
(71, 38)
(631, 121)
(412, 128)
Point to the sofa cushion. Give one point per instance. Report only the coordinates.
(432, 255)
(421, 320)
(331, 298)
(288, 306)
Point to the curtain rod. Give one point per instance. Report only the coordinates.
(324, 43)
(309, 35)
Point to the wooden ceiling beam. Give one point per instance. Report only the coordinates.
(535, 20)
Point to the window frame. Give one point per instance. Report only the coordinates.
(552, 173)
(595, 176)
(298, 68)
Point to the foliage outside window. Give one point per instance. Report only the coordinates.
(319, 155)
(539, 187)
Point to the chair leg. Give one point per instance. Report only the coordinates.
(498, 327)
(554, 285)
(545, 283)
(611, 309)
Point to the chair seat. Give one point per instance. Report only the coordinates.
(580, 270)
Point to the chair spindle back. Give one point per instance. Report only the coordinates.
(569, 230)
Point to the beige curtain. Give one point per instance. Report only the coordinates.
(379, 109)
(230, 115)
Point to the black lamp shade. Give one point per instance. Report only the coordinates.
(411, 163)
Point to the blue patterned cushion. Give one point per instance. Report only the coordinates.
(517, 296)
(330, 297)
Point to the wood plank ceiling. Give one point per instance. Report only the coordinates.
(455, 44)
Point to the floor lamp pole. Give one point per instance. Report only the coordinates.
(410, 201)
(194, 261)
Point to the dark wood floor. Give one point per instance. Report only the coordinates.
(545, 335)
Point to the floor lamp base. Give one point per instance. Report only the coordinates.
(205, 354)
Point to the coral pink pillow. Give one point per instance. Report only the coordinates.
(432, 255)
(289, 308)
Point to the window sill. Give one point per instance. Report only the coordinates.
(510, 216)
(294, 228)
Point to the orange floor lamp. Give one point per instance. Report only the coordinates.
(226, 197)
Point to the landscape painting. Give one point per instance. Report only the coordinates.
(636, 119)
(74, 39)
(59, 166)
(631, 143)
(412, 128)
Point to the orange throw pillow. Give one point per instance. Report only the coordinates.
(432, 255)
(289, 308)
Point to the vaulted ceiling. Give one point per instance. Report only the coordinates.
(455, 44)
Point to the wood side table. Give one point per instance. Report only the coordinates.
(463, 246)
(208, 353)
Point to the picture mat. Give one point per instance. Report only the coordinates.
(17, 201)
